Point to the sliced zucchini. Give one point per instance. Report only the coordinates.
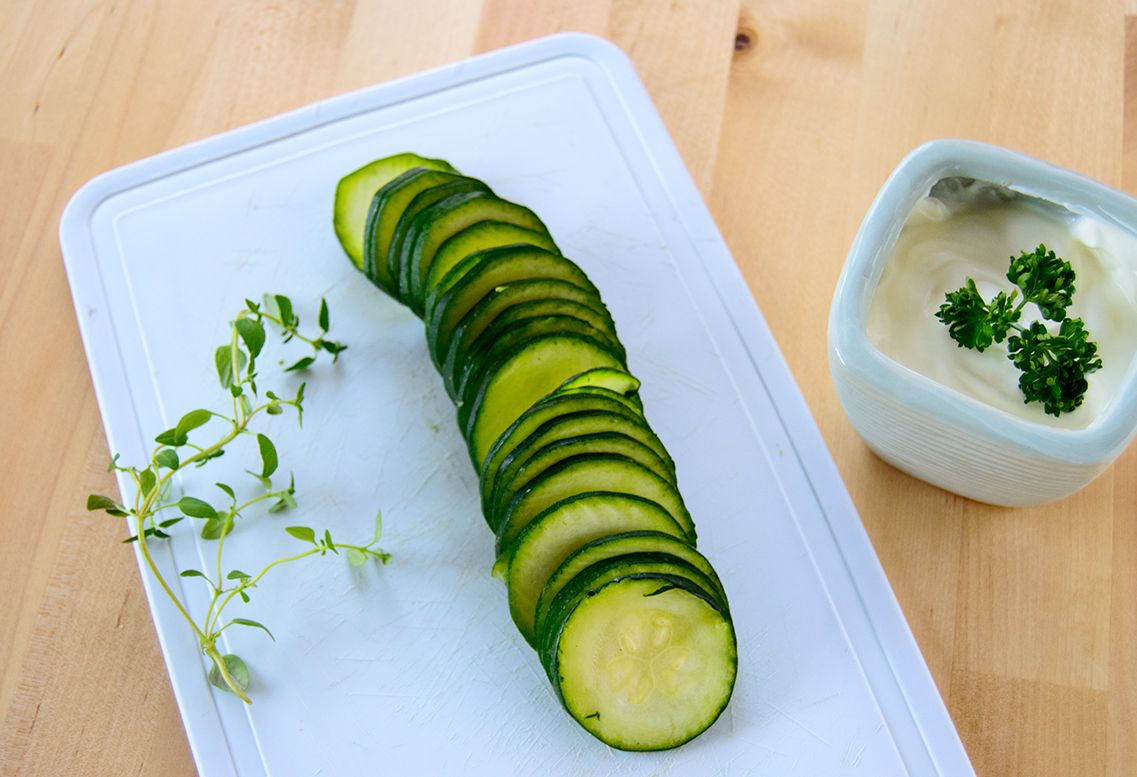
(548, 409)
(614, 380)
(480, 273)
(619, 546)
(569, 426)
(590, 311)
(559, 531)
(605, 379)
(355, 191)
(439, 223)
(387, 207)
(645, 662)
(593, 539)
(588, 472)
(417, 215)
(500, 299)
(511, 385)
(514, 477)
(510, 337)
(632, 402)
(479, 237)
(606, 570)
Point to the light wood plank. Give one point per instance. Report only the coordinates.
(1025, 617)
(1022, 728)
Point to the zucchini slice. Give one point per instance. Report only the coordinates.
(481, 274)
(559, 531)
(593, 539)
(440, 222)
(513, 477)
(566, 427)
(387, 207)
(588, 472)
(494, 304)
(606, 570)
(509, 324)
(514, 383)
(355, 191)
(550, 408)
(619, 546)
(618, 382)
(479, 237)
(645, 662)
(428, 201)
(602, 377)
(513, 336)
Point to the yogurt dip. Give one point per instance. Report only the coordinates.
(965, 228)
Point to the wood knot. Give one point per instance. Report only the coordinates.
(744, 39)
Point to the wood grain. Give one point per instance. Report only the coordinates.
(789, 114)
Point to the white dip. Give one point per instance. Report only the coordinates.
(964, 228)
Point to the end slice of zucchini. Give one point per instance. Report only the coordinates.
(645, 662)
(355, 191)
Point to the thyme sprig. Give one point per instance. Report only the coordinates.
(152, 509)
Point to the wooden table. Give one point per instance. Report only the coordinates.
(789, 115)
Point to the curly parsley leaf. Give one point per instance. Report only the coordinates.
(1053, 365)
(1045, 279)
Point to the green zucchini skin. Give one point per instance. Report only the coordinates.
(479, 237)
(480, 274)
(387, 206)
(592, 537)
(556, 405)
(601, 471)
(445, 219)
(460, 338)
(512, 336)
(552, 441)
(418, 216)
(516, 322)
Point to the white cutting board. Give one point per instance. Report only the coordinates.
(416, 668)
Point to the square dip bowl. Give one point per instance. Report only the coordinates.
(955, 417)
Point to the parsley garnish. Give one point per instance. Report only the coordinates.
(1054, 365)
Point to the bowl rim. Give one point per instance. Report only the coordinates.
(849, 348)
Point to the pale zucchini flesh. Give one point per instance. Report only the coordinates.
(645, 663)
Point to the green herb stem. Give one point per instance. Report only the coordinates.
(235, 364)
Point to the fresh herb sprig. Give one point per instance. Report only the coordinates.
(1054, 365)
(153, 509)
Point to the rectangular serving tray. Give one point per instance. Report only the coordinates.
(416, 667)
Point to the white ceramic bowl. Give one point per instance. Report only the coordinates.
(938, 434)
